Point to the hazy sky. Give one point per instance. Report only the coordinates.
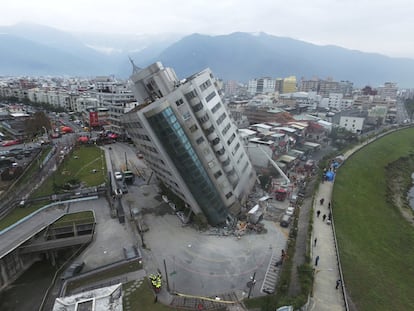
(382, 26)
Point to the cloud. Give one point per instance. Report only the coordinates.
(380, 26)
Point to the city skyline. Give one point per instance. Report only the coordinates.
(359, 25)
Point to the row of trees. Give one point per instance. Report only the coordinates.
(409, 106)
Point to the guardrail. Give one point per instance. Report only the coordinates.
(44, 208)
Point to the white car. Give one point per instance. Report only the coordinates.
(118, 175)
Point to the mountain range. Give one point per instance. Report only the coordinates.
(33, 50)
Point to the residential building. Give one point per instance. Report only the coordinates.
(328, 86)
(261, 86)
(289, 84)
(388, 91)
(351, 123)
(309, 85)
(187, 138)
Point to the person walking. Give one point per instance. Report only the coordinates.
(316, 260)
(318, 212)
(314, 242)
(338, 282)
(323, 217)
(321, 201)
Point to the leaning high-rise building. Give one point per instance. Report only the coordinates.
(189, 141)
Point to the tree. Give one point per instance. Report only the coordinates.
(37, 123)
(409, 106)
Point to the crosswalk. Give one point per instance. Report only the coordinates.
(204, 303)
(272, 274)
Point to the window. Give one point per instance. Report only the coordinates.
(226, 129)
(179, 102)
(231, 139)
(217, 174)
(209, 130)
(216, 107)
(190, 95)
(198, 107)
(204, 119)
(229, 194)
(205, 85)
(221, 151)
(193, 128)
(200, 140)
(186, 116)
(236, 148)
(215, 141)
(210, 96)
(221, 118)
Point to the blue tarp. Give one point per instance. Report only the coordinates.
(330, 175)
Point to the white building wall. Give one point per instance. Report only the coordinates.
(353, 124)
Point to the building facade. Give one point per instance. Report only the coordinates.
(187, 138)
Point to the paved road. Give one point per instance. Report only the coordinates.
(208, 265)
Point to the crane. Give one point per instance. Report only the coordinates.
(287, 180)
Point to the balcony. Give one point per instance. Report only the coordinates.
(218, 146)
(222, 157)
(212, 136)
(201, 114)
(228, 168)
(234, 179)
(206, 125)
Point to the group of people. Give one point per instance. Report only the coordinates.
(318, 212)
(156, 281)
(329, 219)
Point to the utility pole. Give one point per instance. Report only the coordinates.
(166, 276)
(126, 162)
(251, 284)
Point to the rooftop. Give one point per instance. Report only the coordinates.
(101, 299)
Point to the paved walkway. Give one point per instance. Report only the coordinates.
(325, 294)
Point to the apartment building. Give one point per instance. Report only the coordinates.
(187, 138)
(289, 84)
(261, 86)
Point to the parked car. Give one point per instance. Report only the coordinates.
(10, 143)
(285, 221)
(290, 211)
(285, 308)
(118, 175)
(73, 269)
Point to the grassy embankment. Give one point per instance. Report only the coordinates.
(375, 240)
(79, 165)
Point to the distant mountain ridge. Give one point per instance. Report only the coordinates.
(31, 50)
(243, 56)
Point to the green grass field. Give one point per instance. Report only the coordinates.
(142, 298)
(78, 165)
(376, 243)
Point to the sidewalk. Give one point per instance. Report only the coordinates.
(325, 295)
